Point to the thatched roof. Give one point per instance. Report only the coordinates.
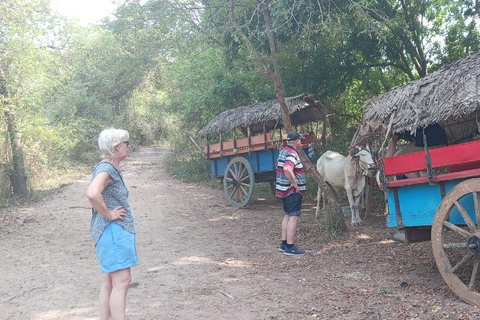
(448, 96)
(302, 108)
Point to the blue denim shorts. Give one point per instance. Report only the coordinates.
(292, 204)
(116, 249)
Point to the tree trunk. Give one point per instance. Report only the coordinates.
(17, 176)
(323, 140)
(277, 80)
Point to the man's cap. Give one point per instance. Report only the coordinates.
(294, 135)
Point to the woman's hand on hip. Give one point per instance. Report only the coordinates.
(117, 214)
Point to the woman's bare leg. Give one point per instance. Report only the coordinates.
(105, 293)
(118, 297)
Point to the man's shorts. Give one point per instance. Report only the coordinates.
(292, 204)
(116, 249)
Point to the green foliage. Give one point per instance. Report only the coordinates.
(191, 170)
(312, 189)
(199, 87)
(147, 118)
(187, 163)
(462, 35)
(94, 92)
(385, 291)
(329, 224)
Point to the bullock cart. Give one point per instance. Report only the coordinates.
(243, 161)
(433, 194)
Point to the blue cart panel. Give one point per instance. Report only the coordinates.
(261, 161)
(417, 204)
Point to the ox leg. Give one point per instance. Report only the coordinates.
(356, 220)
(354, 207)
(363, 198)
(319, 197)
(386, 203)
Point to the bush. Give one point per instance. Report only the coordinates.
(186, 161)
(328, 222)
(194, 169)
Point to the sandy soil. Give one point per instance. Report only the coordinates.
(202, 259)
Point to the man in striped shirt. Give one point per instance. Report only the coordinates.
(290, 187)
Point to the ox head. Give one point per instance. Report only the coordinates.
(364, 158)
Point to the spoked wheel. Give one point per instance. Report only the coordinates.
(456, 240)
(238, 181)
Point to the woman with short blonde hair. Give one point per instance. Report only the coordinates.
(113, 225)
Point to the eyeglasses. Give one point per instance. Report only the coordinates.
(127, 143)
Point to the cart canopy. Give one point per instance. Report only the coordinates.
(266, 115)
(448, 97)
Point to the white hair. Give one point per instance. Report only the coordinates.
(110, 138)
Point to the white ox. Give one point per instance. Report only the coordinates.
(346, 172)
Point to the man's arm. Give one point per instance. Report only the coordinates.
(291, 177)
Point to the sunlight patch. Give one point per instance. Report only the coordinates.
(61, 314)
(204, 196)
(386, 241)
(154, 270)
(203, 260)
(363, 236)
(232, 217)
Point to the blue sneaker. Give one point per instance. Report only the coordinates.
(294, 251)
(282, 247)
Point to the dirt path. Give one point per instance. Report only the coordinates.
(202, 259)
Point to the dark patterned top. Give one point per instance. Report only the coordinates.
(115, 194)
(288, 156)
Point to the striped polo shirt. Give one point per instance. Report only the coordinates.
(288, 156)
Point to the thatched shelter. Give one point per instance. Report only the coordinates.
(266, 115)
(448, 96)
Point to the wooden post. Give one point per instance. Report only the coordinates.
(249, 139)
(221, 146)
(427, 157)
(370, 184)
(208, 146)
(281, 138)
(264, 136)
(234, 143)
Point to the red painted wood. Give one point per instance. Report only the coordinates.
(405, 163)
(258, 142)
(455, 154)
(456, 175)
(461, 160)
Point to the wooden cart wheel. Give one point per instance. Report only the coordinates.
(456, 240)
(238, 181)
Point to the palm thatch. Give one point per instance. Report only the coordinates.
(448, 96)
(302, 109)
